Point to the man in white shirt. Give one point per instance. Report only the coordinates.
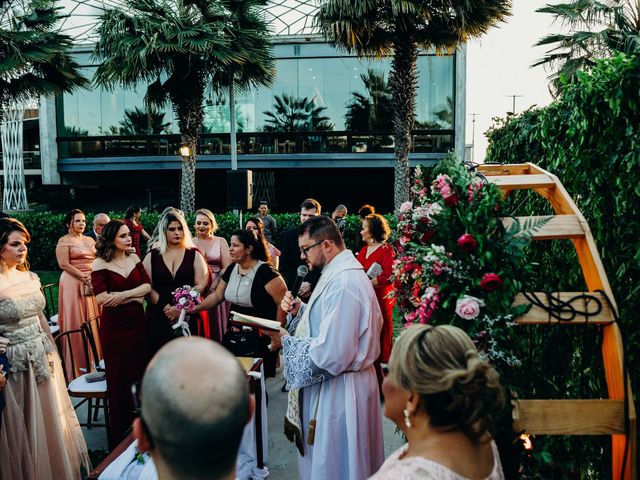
(330, 345)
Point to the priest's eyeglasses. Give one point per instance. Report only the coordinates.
(305, 250)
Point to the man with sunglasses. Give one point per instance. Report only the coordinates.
(194, 405)
(330, 344)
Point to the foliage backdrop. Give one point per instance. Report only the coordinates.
(589, 138)
(46, 228)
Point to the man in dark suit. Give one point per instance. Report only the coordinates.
(99, 221)
(290, 259)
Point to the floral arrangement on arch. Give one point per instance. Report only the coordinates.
(456, 262)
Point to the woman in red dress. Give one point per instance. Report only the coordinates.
(132, 220)
(120, 283)
(375, 232)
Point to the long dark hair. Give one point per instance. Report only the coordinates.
(249, 239)
(128, 215)
(105, 246)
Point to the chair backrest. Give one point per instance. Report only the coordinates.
(72, 358)
(50, 292)
(90, 328)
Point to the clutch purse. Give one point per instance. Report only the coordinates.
(95, 377)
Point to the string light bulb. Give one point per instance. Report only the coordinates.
(526, 441)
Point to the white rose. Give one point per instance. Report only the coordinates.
(405, 207)
(182, 301)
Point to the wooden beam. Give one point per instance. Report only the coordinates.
(557, 227)
(514, 169)
(538, 315)
(522, 182)
(569, 417)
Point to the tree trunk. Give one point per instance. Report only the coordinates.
(187, 103)
(403, 82)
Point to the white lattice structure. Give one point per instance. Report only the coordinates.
(284, 17)
(14, 195)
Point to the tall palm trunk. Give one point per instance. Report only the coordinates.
(403, 81)
(188, 108)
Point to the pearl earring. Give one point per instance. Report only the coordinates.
(407, 420)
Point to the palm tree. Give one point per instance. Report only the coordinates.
(296, 114)
(34, 59)
(371, 112)
(400, 28)
(597, 29)
(143, 122)
(177, 48)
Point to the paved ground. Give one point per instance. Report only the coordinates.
(282, 454)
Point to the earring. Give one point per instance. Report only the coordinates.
(407, 420)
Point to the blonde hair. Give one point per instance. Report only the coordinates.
(173, 215)
(458, 389)
(211, 217)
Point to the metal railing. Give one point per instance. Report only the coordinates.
(261, 143)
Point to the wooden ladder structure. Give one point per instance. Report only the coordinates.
(574, 417)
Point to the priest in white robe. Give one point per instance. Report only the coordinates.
(330, 344)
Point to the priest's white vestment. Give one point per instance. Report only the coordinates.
(333, 368)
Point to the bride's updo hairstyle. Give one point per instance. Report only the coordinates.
(458, 389)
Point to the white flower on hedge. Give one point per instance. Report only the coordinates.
(468, 307)
(429, 293)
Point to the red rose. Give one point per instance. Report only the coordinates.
(490, 282)
(451, 201)
(467, 243)
(426, 236)
(424, 221)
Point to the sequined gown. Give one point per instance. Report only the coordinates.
(40, 438)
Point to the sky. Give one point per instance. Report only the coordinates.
(498, 65)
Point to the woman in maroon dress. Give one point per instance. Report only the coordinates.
(375, 232)
(120, 283)
(174, 261)
(132, 220)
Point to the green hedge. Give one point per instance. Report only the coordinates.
(590, 139)
(46, 228)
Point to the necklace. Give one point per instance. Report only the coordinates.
(118, 265)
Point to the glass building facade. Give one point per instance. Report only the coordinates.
(344, 103)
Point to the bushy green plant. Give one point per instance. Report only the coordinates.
(589, 139)
(47, 227)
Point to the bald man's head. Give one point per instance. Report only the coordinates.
(195, 402)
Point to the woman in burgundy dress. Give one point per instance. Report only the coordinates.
(375, 232)
(120, 283)
(132, 220)
(174, 261)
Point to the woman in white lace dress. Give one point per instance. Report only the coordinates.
(40, 438)
(443, 397)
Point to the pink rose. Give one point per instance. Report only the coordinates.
(405, 207)
(490, 282)
(468, 307)
(467, 242)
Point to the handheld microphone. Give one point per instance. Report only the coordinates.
(300, 274)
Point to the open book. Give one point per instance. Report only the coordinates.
(255, 322)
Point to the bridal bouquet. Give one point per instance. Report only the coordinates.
(185, 299)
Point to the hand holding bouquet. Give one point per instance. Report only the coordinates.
(185, 299)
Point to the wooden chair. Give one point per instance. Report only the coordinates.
(90, 328)
(78, 387)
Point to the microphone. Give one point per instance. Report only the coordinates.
(300, 274)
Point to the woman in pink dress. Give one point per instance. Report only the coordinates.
(375, 231)
(40, 438)
(216, 250)
(75, 253)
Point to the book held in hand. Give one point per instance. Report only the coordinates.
(254, 322)
(374, 270)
